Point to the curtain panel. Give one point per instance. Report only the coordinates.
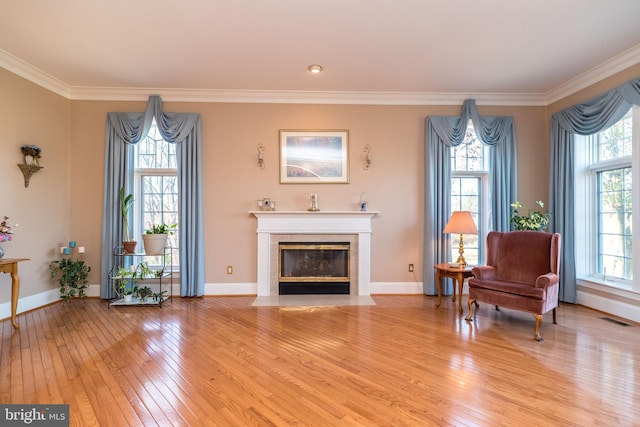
(442, 133)
(122, 131)
(586, 118)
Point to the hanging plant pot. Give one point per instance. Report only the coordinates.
(130, 246)
(154, 244)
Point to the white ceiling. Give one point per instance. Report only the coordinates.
(408, 50)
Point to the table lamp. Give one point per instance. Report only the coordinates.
(461, 222)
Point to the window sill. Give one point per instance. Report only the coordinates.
(603, 286)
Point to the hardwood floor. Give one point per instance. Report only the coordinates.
(402, 362)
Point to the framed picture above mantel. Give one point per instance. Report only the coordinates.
(314, 156)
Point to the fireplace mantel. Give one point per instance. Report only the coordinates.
(272, 224)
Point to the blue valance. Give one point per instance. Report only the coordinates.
(585, 118)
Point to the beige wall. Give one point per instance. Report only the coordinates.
(64, 200)
(233, 182)
(32, 115)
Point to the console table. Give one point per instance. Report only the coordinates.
(10, 265)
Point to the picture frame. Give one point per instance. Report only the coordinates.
(314, 156)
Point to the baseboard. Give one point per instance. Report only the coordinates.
(408, 288)
(625, 308)
(30, 303)
(231, 289)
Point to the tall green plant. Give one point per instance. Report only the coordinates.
(72, 277)
(126, 202)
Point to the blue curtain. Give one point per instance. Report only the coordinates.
(184, 129)
(587, 118)
(442, 133)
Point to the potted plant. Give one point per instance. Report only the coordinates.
(160, 296)
(127, 282)
(144, 271)
(534, 220)
(72, 277)
(126, 202)
(155, 238)
(143, 293)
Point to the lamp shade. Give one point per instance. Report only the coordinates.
(461, 222)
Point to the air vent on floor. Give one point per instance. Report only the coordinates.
(617, 322)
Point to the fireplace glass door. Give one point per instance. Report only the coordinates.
(313, 268)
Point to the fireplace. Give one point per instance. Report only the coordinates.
(324, 227)
(313, 268)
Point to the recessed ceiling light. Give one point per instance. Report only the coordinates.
(315, 69)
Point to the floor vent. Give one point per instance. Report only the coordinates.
(617, 322)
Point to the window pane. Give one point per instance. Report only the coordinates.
(466, 190)
(469, 155)
(469, 186)
(614, 223)
(615, 142)
(455, 186)
(158, 189)
(154, 152)
(468, 200)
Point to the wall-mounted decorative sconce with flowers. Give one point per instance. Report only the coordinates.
(261, 156)
(31, 165)
(31, 154)
(367, 157)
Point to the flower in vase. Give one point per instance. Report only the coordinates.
(5, 230)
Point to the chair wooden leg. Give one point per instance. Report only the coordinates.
(554, 317)
(536, 334)
(470, 315)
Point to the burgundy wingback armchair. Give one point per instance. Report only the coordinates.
(521, 274)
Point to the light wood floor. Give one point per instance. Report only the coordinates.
(402, 362)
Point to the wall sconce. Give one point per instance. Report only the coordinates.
(367, 157)
(31, 163)
(261, 156)
(27, 171)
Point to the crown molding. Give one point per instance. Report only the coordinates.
(303, 97)
(608, 68)
(35, 75)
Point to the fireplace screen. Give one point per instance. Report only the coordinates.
(314, 262)
(314, 267)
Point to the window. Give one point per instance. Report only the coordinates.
(469, 177)
(156, 188)
(606, 193)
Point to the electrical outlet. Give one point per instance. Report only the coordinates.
(229, 269)
(410, 268)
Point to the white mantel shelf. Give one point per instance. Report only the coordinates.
(314, 212)
(273, 223)
(314, 222)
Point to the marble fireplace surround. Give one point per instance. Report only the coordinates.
(322, 226)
